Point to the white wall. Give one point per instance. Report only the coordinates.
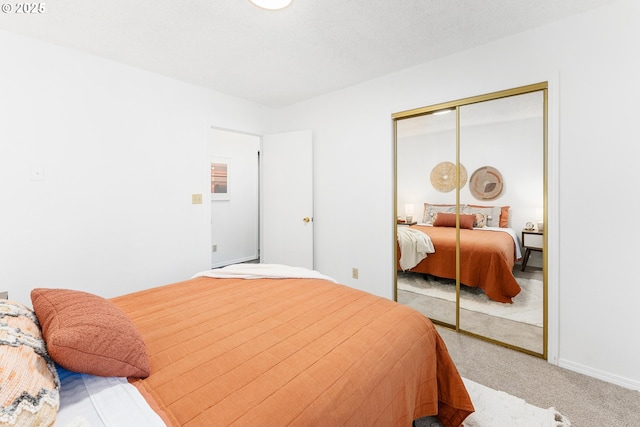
(591, 63)
(514, 147)
(416, 157)
(234, 221)
(122, 151)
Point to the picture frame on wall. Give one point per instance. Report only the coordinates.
(220, 178)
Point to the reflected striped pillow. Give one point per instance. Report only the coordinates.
(29, 383)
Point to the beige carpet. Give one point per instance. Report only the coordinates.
(586, 401)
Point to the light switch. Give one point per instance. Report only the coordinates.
(196, 199)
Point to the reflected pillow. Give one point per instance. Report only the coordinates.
(430, 211)
(480, 220)
(504, 216)
(492, 213)
(445, 219)
(497, 216)
(89, 334)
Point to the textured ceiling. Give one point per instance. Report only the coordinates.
(280, 58)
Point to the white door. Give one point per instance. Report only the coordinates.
(286, 196)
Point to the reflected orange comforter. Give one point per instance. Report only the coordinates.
(276, 352)
(486, 260)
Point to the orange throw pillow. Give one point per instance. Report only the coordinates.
(449, 220)
(89, 334)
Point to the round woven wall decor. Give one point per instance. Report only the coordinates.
(486, 183)
(443, 176)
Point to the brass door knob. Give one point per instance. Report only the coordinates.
(306, 219)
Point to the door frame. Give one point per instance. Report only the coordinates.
(257, 216)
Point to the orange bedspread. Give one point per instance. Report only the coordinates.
(486, 260)
(276, 352)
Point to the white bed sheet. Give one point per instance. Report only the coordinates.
(92, 401)
(511, 232)
(263, 271)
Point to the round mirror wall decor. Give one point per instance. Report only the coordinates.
(486, 183)
(443, 177)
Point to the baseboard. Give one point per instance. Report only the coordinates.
(233, 261)
(601, 375)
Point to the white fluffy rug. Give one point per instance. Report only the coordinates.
(496, 408)
(526, 306)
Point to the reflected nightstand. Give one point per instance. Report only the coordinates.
(532, 240)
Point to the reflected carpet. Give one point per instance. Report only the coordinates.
(526, 307)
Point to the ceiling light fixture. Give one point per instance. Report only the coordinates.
(271, 4)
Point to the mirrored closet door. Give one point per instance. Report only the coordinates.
(470, 200)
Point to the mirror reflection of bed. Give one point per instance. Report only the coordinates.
(478, 172)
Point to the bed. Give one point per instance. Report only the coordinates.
(487, 252)
(245, 349)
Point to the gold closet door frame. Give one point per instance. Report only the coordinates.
(455, 105)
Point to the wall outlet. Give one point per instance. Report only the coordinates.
(196, 199)
(354, 272)
(4, 295)
(214, 248)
